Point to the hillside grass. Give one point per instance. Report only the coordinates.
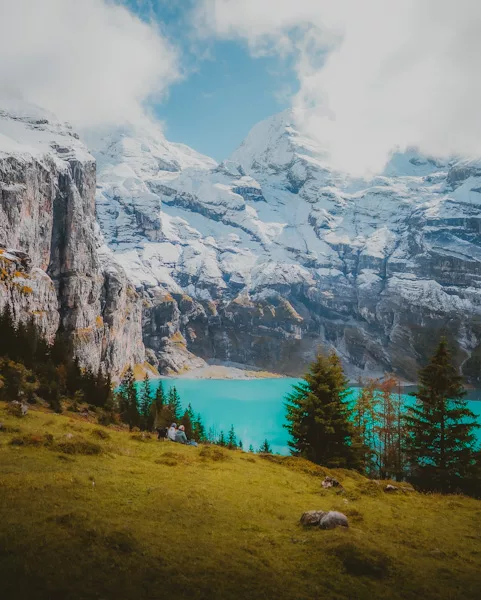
(88, 512)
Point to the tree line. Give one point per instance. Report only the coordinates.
(150, 410)
(31, 369)
(430, 441)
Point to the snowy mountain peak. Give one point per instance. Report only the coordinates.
(28, 130)
(275, 143)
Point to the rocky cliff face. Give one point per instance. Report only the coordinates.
(52, 266)
(263, 258)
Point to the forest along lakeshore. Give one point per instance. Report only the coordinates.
(378, 497)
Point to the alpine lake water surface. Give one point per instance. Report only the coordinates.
(255, 407)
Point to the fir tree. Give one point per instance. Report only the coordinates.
(145, 402)
(251, 448)
(240, 444)
(128, 400)
(231, 438)
(440, 441)
(199, 430)
(318, 416)
(174, 404)
(365, 418)
(265, 448)
(221, 441)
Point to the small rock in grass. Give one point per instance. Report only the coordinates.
(312, 517)
(333, 519)
(391, 488)
(330, 482)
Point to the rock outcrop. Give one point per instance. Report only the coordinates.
(51, 267)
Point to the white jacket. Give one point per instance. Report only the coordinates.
(171, 433)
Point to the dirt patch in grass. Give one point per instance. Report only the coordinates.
(360, 561)
(33, 440)
(172, 459)
(101, 434)
(296, 464)
(141, 437)
(214, 453)
(9, 429)
(121, 541)
(79, 446)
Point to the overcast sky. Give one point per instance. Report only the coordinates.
(366, 77)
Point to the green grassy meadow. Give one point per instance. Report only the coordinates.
(89, 512)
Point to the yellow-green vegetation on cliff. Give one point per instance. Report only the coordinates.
(92, 512)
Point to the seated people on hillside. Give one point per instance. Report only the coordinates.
(182, 438)
(171, 434)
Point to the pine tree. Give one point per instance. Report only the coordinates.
(199, 430)
(365, 418)
(174, 404)
(440, 442)
(221, 441)
(128, 400)
(241, 445)
(231, 438)
(251, 448)
(390, 431)
(145, 402)
(265, 448)
(318, 416)
(212, 435)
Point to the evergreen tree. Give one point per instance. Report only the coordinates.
(174, 404)
(128, 400)
(251, 448)
(318, 416)
(145, 402)
(265, 448)
(440, 427)
(221, 441)
(241, 446)
(212, 435)
(231, 438)
(159, 408)
(365, 418)
(199, 430)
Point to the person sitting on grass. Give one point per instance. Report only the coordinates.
(172, 433)
(182, 438)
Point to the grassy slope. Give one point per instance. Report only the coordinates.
(153, 519)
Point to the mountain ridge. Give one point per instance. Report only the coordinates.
(262, 258)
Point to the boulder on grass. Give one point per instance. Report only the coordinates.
(312, 517)
(333, 519)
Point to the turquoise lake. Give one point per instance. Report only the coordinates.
(255, 407)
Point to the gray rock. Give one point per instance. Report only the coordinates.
(391, 488)
(333, 519)
(312, 517)
(330, 482)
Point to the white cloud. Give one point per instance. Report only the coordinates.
(88, 61)
(374, 74)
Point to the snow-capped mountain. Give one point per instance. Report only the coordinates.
(262, 258)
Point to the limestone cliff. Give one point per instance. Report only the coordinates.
(51, 262)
